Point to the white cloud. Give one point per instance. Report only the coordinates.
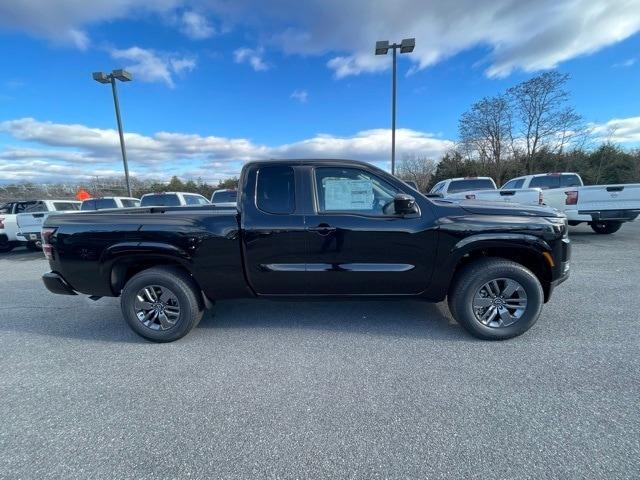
(196, 26)
(301, 96)
(65, 21)
(251, 56)
(518, 35)
(618, 130)
(57, 151)
(629, 62)
(151, 66)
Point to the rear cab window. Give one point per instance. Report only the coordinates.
(570, 181)
(62, 206)
(130, 202)
(275, 190)
(470, 184)
(545, 182)
(224, 197)
(160, 200)
(195, 200)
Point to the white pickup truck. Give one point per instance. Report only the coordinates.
(604, 207)
(30, 221)
(484, 188)
(9, 225)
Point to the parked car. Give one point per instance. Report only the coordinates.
(30, 221)
(224, 198)
(329, 228)
(484, 188)
(172, 199)
(8, 224)
(101, 203)
(604, 207)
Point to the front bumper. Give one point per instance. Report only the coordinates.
(56, 284)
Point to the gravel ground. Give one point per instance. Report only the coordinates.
(275, 389)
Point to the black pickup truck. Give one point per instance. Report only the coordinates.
(330, 228)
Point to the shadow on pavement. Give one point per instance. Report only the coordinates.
(398, 318)
(104, 323)
(22, 254)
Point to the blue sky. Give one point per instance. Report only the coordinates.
(218, 83)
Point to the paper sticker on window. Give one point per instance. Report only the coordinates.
(344, 194)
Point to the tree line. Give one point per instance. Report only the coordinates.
(529, 128)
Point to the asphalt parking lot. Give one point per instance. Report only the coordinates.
(352, 389)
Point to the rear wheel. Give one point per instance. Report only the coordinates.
(6, 247)
(605, 228)
(496, 299)
(162, 304)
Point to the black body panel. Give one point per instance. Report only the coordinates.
(305, 252)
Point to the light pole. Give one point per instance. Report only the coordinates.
(382, 48)
(111, 78)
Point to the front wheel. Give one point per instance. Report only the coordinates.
(495, 299)
(605, 228)
(162, 304)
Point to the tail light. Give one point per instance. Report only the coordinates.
(1, 222)
(572, 197)
(470, 197)
(47, 248)
(540, 198)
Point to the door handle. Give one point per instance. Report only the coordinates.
(322, 229)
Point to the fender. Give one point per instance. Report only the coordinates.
(139, 252)
(448, 260)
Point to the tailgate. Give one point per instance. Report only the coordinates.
(30, 222)
(609, 197)
(526, 196)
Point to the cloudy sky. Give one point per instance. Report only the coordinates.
(219, 82)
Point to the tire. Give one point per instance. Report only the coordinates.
(605, 228)
(33, 246)
(173, 288)
(469, 285)
(6, 247)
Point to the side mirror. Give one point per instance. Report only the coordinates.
(404, 204)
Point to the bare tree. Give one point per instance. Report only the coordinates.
(418, 169)
(545, 121)
(485, 133)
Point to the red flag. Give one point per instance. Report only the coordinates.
(82, 194)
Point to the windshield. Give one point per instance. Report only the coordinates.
(160, 200)
(224, 197)
(471, 184)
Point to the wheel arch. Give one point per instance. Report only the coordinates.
(526, 250)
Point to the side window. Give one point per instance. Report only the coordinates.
(22, 206)
(437, 187)
(513, 184)
(570, 181)
(275, 190)
(353, 190)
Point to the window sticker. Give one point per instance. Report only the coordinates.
(345, 194)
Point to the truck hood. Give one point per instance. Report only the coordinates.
(500, 208)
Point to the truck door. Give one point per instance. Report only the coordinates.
(273, 229)
(356, 242)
